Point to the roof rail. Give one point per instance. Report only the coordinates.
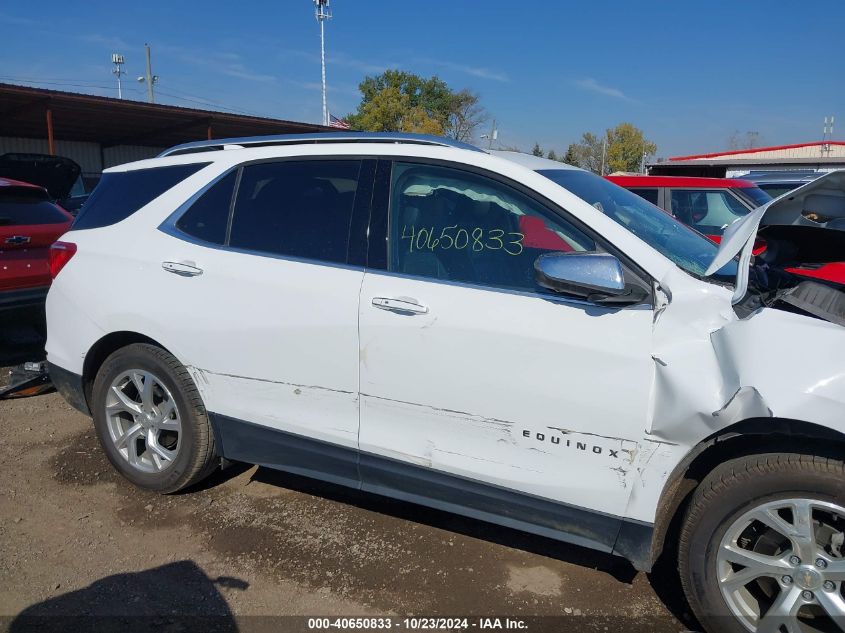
(321, 137)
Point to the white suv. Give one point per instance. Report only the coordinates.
(499, 336)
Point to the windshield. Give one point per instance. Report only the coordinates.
(688, 249)
(779, 188)
(755, 195)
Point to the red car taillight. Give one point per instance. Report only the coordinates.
(60, 254)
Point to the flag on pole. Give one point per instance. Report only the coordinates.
(338, 123)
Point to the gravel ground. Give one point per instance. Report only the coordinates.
(80, 548)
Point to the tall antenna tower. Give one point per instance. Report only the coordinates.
(117, 60)
(827, 134)
(323, 12)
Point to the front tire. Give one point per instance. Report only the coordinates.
(150, 419)
(761, 547)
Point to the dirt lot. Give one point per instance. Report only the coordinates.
(77, 540)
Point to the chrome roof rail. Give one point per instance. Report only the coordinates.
(321, 137)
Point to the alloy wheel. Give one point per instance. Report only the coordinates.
(143, 421)
(781, 567)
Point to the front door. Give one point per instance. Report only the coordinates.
(471, 371)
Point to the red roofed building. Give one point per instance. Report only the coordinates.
(815, 156)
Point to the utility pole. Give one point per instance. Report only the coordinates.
(603, 153)
(323, 12)
(149, 78)
(494, 135)
(117, 60)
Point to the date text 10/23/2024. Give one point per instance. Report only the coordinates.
(417, 623)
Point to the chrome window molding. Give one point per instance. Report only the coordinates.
(511, 291)
(168, 226)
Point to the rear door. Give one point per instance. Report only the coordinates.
(29, 223)
(263, 302)
(709, 211)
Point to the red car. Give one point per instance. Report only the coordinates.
(710, 205)
(29, 223)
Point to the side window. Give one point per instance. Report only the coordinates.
(296, 208)
(647, 194)
(208, 216)
(711, 212)
(457, 226)
(120, 194)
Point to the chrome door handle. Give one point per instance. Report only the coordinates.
(405, 306)
(183, 270)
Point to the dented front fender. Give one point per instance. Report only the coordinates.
(713, 370)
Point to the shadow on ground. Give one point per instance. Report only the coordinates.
(174, 597)
(612, 565)
(22, 337)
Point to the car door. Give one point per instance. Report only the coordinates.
(264, 306)
(709, 211)
(478, 388)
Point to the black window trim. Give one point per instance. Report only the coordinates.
(365, 176)
(379, 231)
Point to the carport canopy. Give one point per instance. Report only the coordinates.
(52, 114)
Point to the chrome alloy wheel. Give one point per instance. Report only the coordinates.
(143, 421)
(781, 567)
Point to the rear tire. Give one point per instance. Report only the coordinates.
(150, 419)
(783, 516)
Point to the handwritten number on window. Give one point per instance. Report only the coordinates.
(462, 238)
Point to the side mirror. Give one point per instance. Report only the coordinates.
(592, 276)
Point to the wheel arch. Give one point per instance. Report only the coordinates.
(102, 349)
(747, 437)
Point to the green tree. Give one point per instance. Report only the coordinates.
(627, 147)
(587, 153)
(398, 101)
(624, 149)
(537, 151)
(551, 155)
(391, 110)
(465, 115)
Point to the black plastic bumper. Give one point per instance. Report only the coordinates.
(70, 386)
(26, 298)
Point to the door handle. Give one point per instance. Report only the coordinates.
(183, 270)
(405, 306)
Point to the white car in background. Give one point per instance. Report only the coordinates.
(503, 337)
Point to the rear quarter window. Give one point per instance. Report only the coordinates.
(120, 194)
(646, 194)
(26, 210)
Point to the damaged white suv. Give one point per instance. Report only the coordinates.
(498, 336)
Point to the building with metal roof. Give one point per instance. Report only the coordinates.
(99, 132)
(819, 156)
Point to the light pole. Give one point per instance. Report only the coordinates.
(323, 12)
(494, 135)
(149, 77)
(117, 60)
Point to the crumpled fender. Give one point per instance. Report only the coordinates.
(713, 370)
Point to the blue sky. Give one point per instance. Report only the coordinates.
(688, 73)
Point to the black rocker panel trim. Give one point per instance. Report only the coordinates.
(273, 448)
